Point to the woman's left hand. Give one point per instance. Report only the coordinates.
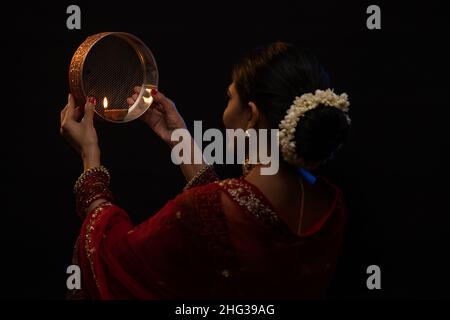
(78, 129)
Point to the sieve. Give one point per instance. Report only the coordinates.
(107, 66)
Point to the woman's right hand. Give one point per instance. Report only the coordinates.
(162, 116)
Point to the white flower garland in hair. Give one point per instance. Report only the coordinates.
(300, 106)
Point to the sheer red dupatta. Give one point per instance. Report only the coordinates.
(190, 249)
(276, 263)
(181, 252)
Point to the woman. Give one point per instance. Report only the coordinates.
(259, 236)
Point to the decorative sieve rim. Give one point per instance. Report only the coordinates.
(76, 84)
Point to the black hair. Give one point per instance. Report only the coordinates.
(272, 77)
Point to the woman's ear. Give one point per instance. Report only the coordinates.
(253, 116)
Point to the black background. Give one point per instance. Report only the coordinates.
(391, 170)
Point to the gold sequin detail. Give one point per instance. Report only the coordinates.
(244, 195)
(203, 176)
(90, 250)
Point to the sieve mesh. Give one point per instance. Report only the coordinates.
(109, 65)
(112, 69)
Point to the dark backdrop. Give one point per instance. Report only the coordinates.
(391, 169)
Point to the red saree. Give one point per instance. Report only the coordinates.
(218, 240)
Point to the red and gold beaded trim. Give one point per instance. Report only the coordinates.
(246, 196)
(92, 185)
(204, 176)
(89, 172)
(93, 217)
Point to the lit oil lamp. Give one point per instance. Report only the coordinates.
(113, 114)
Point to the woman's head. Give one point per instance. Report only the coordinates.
(264, 85)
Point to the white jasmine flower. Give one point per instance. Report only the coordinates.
(300, 106)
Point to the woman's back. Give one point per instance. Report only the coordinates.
(274, 261)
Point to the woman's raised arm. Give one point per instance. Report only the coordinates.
(164, 118)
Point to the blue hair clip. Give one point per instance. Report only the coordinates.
(307, 175)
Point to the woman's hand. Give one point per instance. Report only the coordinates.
(78, 129)
(162, 116)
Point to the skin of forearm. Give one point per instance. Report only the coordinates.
(90, 156)
(190, 170)
(91, 159)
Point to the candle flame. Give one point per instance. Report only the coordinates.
(105, 102)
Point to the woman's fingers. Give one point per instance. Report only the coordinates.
(70, 107)
(62, 114)
(131, 100)
(78, 113)
(152, 115)
(166, 103)
(89, 110)
(71, 113)
(157, 106)
(137, 89)
(66, 112)
(64, 118)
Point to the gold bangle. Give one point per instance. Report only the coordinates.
(88, 173)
